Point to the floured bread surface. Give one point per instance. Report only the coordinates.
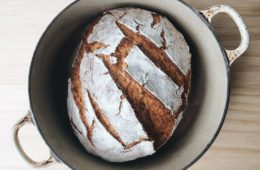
(129, 85)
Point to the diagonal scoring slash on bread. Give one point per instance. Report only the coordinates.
(155, 117)
(105, 122)
(76, 85)
(157, 120)
(157, 55)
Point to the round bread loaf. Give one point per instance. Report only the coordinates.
(129, 84)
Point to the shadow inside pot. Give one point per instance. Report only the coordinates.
(60, 78)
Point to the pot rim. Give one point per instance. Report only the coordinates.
(205, 21)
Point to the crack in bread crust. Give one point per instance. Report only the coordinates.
(109, 127)
(156, 19)
(75, 127)
(164, 47)
(137, 25)
(76, 86)
(184, 95)
(104, 120)
(122, 51)
(157, 55)
(141, 139)
(156, 119)
(90, 47)
(122, 97)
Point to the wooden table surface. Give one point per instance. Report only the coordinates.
(23, 22)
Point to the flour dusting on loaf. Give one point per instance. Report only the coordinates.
(129, 84)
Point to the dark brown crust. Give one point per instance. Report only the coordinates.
(109, 127)
(90, 29)
(156, 19)
(94, 46)
(157, 55)
(184, 95)
(163, 40)
(122, 51)
(156, 119)
(154, 111)
(141, 139)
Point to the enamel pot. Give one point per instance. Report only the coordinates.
(208, 101)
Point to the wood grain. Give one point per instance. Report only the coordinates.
(237, 146)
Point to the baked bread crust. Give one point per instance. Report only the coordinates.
(129, 84)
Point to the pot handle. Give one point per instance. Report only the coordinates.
(210, 12)
(24, 121)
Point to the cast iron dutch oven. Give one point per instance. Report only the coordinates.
(208, 102)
